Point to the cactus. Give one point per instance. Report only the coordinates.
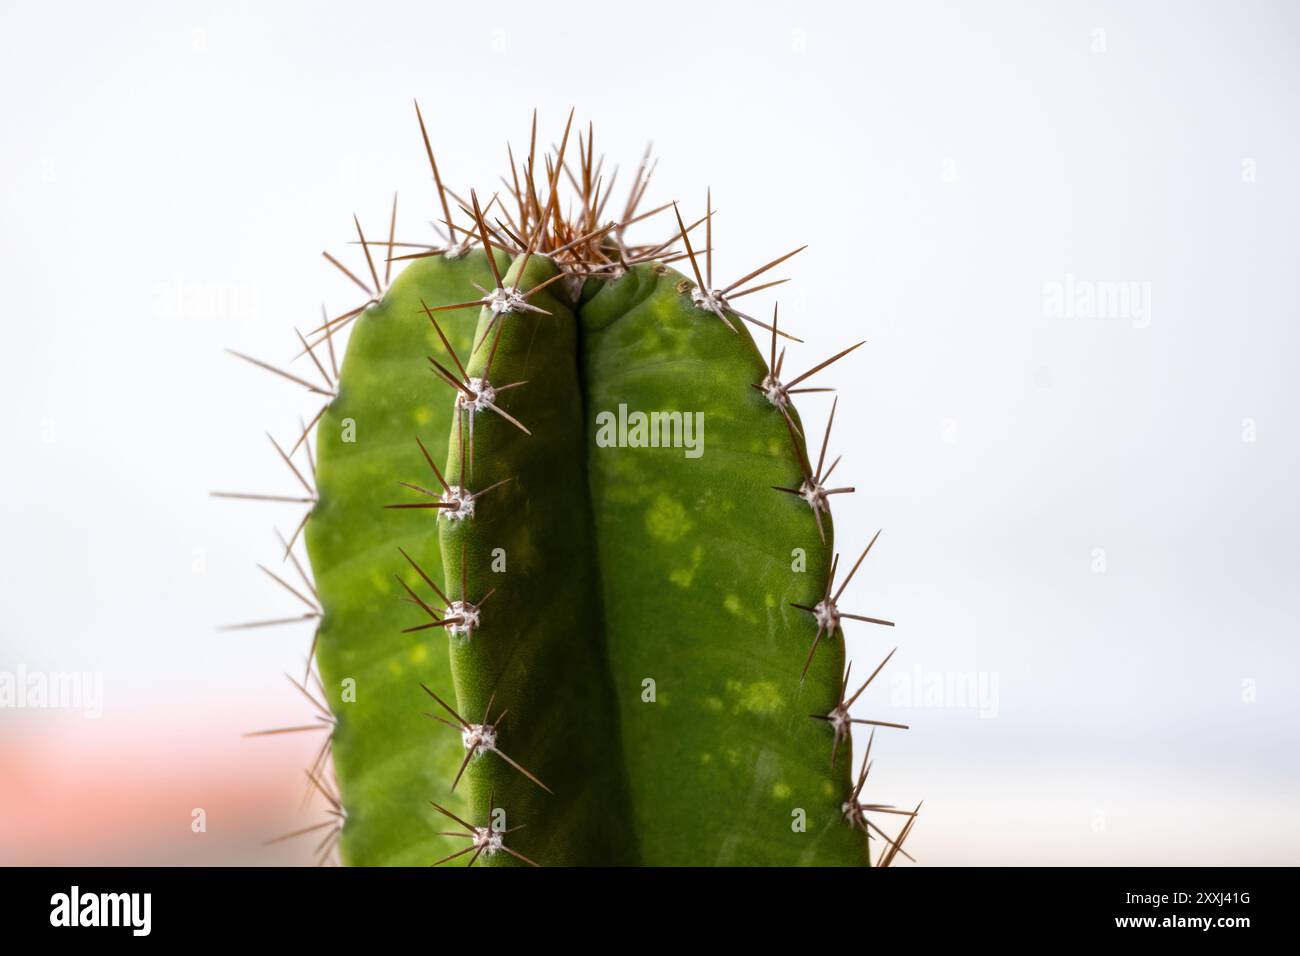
(574, 572)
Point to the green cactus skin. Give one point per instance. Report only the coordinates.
(696, 564)
(388, 757)
(616, 643)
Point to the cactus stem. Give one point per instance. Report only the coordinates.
(480, 738)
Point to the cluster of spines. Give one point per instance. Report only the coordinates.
(581, 248)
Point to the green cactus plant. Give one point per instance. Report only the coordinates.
(574, 568)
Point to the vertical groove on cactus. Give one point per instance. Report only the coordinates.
(578, 595)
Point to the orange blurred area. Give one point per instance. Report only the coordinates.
(127, 789)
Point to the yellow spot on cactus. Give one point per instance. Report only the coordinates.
(394, 668)
(713, 703)
(781, 791)
(683, 577)
(769, 600)
(828, 788)
(706, 758)
(736, 608)
(419, 654)
(666, 519)
(422, 415)
(761, 697)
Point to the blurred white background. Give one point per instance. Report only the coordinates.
(1092, 513)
